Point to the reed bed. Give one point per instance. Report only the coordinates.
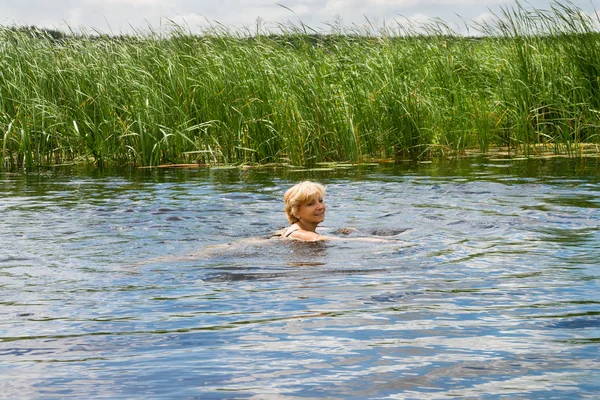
(532, 79)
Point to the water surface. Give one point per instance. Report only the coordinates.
(125, 284)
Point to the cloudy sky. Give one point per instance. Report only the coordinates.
(121, 16)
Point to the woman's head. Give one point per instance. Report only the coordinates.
(298, 195)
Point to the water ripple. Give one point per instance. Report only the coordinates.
(134, 285)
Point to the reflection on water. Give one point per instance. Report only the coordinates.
(148, 284)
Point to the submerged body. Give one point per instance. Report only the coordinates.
(305, 209)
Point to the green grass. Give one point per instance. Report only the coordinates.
(223, 97)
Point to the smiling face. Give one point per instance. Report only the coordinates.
(299, 196)
(312, 211)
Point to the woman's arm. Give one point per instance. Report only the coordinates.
(308, 236)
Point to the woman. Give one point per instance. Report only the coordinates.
(305, 209)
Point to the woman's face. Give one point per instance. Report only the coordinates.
(312, 211)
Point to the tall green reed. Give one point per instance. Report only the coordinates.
(298, 97)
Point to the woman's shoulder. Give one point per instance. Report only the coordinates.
(285, 232)
(296, 232)
(291, 229)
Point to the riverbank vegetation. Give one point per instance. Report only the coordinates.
(531, 79)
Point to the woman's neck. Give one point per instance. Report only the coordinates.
(307, 227)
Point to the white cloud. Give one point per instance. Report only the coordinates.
(412, 3)
(484, 18)
(302, 10)
(336, 6)
(75, 17)
(121, 16)
(193, 22)
(414, 21)
(125, 3)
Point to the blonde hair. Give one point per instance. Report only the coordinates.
(298, 194)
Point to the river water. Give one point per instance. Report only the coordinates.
(144, 284)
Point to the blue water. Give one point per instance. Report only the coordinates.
(161, 284)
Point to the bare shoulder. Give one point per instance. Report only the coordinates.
(307, 236)
(290, 230)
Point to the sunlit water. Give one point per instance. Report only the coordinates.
(123, 285)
